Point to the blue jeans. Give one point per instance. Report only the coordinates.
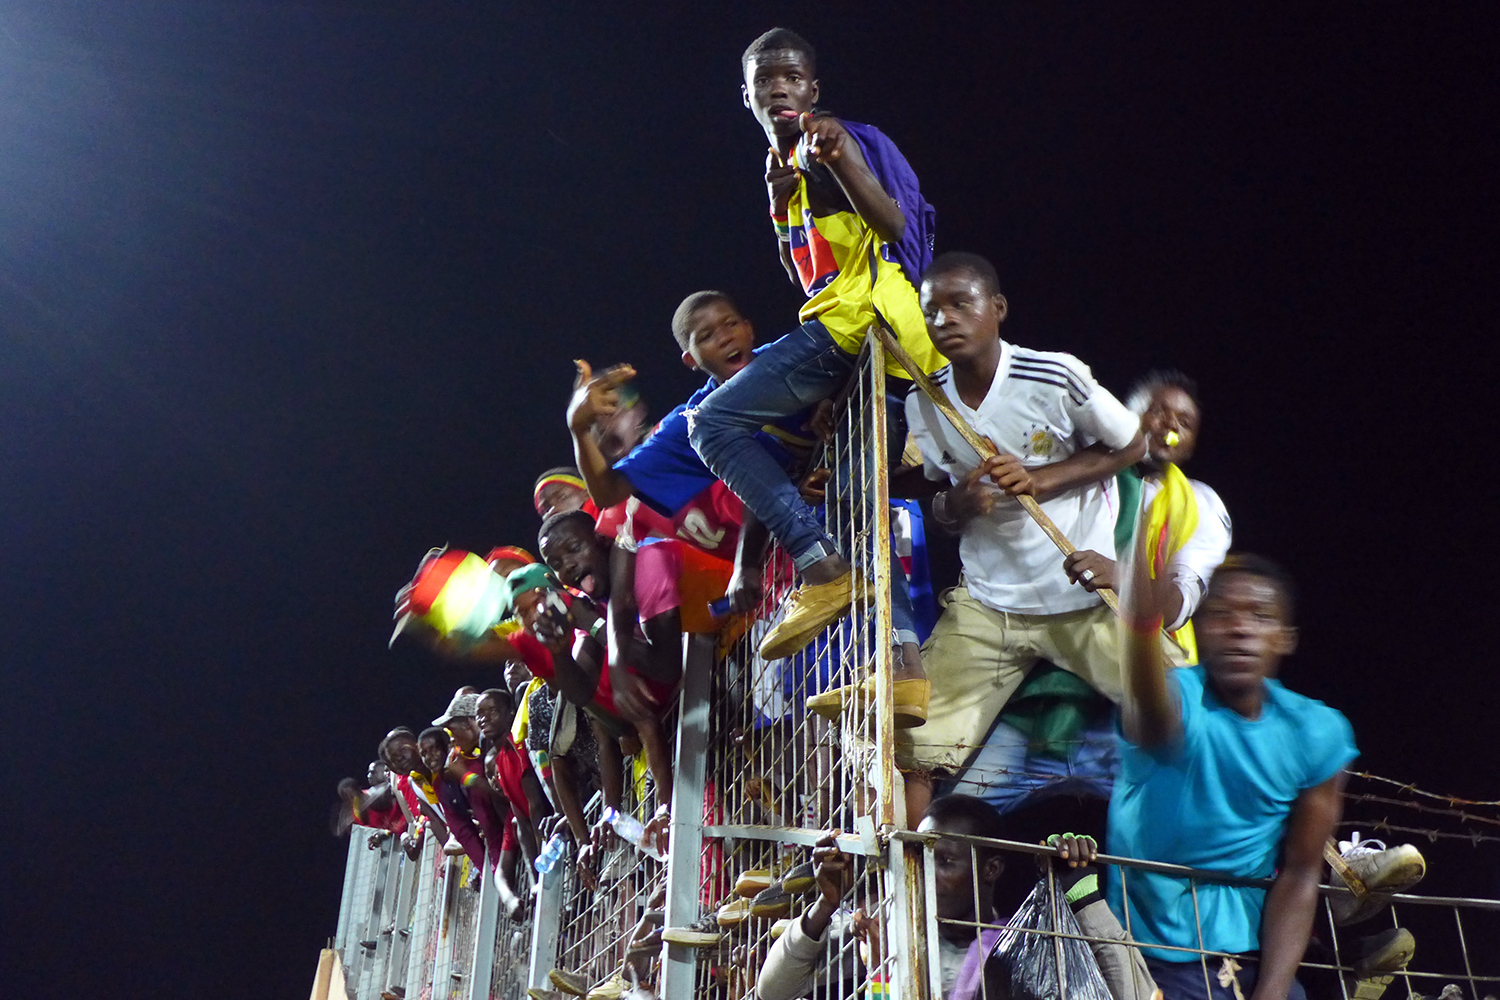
(1184, 980)
(795, 372)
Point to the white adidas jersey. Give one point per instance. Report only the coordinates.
(1041, 407)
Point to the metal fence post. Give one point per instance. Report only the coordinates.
(545, 927)
(482, 961)
(685, 855)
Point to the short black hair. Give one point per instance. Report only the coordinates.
(554, 521)
(561, 470)
(959, 260)
(682, 319)
(1267, 569)
(349, 787)
(780, 40)
(984, 819)
(1139, 398)
(499, 694)
(395, 734)
(437, 733)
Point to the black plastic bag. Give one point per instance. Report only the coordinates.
(1029, 963)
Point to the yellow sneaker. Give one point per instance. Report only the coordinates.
(612, 988)
(734, 912)
(569, 982)
(810, 609)
(911, 696)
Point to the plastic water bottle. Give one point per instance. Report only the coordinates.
(633, 830)
(549, 855)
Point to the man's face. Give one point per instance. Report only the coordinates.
(1170, 409)
(378, 774)
(434, 757)
(720, 341)
(577, 559)
(963, 318)
(517, 674)
(495, 717)
(954, 872)
(465, 732)
(403, 754)
(779, 87)
(1242, 631)
(555, 498)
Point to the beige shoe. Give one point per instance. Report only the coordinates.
(910, 696)
(702, 933)
(612, 988)
(733, 913)
(810, 609)
(569, 982)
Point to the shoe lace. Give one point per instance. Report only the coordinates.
(1354, 847)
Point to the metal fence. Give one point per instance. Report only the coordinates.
(757, 779)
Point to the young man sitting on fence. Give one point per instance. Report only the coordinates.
(854, 232)
(1223, 769)
(965, 877)
(1062, 438)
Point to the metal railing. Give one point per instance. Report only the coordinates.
(1329, 965)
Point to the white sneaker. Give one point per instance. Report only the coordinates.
(1383, 870)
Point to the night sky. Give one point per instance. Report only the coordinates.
(289, 293)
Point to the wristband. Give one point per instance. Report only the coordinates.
(596, 628)
(782, 226)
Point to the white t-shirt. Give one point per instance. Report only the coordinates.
(1201, 554)
(1042, 407)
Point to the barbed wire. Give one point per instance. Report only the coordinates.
(1461, 815)
(1381, 826)
(1412, 789)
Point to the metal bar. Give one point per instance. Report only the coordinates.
(405, 908)
(848, 843)
(892, 812)
(430, 880)
(546, 924)
(346, 900)
(482, 959)
(930, 923)
(685, 848)
(1182, 871)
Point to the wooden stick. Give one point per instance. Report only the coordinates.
(985, 449)
(1338, 864)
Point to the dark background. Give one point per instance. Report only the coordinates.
(289, 293)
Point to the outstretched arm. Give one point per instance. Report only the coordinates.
(1149, 713)
(1292, 901)
(595, 397)
(1089, 465)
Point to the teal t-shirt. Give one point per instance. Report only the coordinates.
(1220, 798)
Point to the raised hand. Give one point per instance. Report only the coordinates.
(595, 396)
(781, 181)
(823, 138)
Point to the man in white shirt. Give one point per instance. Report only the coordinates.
(1167, 402)
(1061, 438)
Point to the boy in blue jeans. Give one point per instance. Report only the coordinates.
(855, 233)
